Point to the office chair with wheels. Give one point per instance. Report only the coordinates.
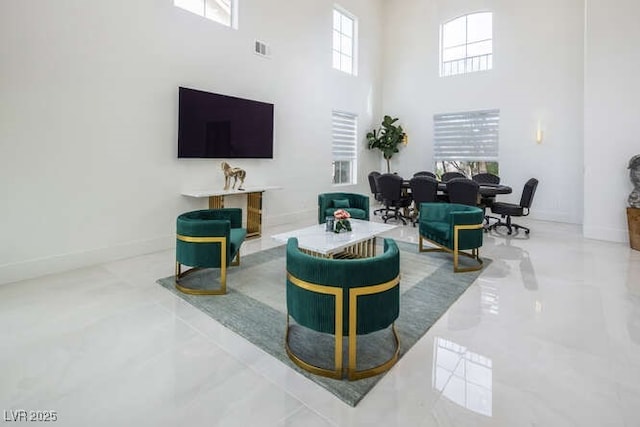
(486, 178)
(423, 189)
(486, 201)
(463, 191)
(390, 186)
(511, 209)
(373, 185)
(426, 173)
(447, 176)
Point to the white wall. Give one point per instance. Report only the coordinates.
(88, 118)
(611, 112)
(537, 75)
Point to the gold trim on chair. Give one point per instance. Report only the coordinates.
(327, 290)
(223, 266)
(354, 293)
(475, 253)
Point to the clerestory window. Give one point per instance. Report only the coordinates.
(466, 44)
(224, 12)
(345, 30)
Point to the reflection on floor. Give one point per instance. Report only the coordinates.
(548, 335)
(462, 376)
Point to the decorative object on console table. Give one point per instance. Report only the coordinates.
(235, 173)
(633, 211)
(342, 221)
(387, 138)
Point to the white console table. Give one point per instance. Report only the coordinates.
(254, 204)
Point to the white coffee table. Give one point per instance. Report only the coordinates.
(357, 243)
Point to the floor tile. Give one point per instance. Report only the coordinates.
(548, 335)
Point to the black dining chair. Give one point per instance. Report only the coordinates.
(463, 191)
(423, 189)
(447, 176)
(426, 173)
(390, 186)
(486, 178)
(511, 209)
(373, 185)
(486, 201)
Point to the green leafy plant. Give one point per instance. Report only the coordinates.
(387, 138)
(342, 224)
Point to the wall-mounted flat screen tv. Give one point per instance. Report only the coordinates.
(217, 126)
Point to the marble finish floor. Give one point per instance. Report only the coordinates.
(549, 335)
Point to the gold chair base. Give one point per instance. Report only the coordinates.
(335, 373)
(352, 373)
(187, 290)
(475, 255)
(354, 293)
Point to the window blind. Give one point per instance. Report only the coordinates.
(344, 128)
(466, 136)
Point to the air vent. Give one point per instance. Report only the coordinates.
(261, 48)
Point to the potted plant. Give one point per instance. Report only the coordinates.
(387, 138)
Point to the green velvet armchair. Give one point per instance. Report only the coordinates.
(343, 297)
(208, 238)
(452, 228)
(356, 204)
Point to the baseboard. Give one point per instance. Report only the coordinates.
(70, 261)
(553, 216)
(606, 233)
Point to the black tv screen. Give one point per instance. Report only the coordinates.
(217, 126)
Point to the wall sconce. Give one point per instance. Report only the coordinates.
(405, 139)
(539, 134)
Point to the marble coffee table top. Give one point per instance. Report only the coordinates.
(315, 238)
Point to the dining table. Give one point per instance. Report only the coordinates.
(485, 189)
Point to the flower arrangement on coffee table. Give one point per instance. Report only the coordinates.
(342, 221)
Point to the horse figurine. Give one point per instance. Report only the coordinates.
(236, 173)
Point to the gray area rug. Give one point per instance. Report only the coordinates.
(255, 308)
